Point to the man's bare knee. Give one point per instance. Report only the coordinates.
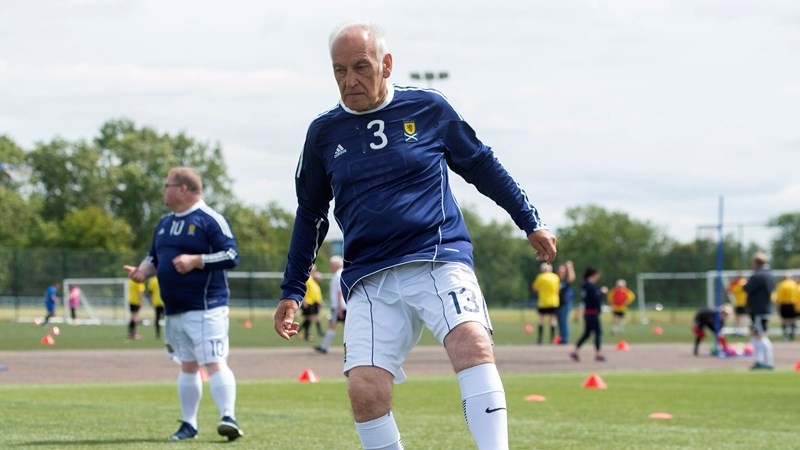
(469, 345)
(370, 391)
(189, 366)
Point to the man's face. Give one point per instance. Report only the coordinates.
(359, 74)
(171, 193)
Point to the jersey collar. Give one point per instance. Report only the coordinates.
(192, 209)
(386, 101)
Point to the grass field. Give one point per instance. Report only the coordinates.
(710, 410)
(509, 325)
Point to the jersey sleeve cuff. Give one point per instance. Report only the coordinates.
(293, 296)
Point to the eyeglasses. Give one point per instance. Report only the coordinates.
(169, 185)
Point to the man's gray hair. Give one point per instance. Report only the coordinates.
(375, 32)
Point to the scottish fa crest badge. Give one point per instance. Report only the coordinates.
(410, 131)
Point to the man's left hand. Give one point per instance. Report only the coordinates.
(186, 263)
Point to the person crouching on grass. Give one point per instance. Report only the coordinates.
(707, 318)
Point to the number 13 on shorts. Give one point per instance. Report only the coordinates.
(464, 300)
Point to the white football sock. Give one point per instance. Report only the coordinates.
(223, 389)
(484, 403)
(328, 338)
(758, 350)
(767, 345)
(380, 434)
(190, 391)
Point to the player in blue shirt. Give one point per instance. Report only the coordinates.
(50, 301)
(383, 153)
(191, 251)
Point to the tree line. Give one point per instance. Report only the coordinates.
(104, 194)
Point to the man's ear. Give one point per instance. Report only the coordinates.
(387, 65)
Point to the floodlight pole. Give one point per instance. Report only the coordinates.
(430, 76)
(717, 319)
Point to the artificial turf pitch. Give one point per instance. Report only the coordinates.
(726, 409)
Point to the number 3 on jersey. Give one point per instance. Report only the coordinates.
(382, 139)
(465, 300)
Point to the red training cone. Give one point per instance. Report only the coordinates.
(623, 346)
(658, 330)
(247, 324)
(308, 376)
(797, 366)
(48, 340)
(594, 382)
(556, 339)
(529, 328)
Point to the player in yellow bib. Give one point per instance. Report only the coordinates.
(312, 303)
(786, 298)
(135, 295)
(155, 300)
(547, 285)
(736, 290)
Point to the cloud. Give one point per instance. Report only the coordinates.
(653, 108)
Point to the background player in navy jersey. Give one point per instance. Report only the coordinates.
(191, 251)
(383, 153)
(592, 296)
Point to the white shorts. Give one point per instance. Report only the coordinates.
(386, 311)
(200, 336)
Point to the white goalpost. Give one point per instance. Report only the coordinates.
(104, 300)
(710, 278)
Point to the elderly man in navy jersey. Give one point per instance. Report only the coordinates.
(383, 154)
(191, 251)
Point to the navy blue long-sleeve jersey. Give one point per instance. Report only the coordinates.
(387, 169)
(592, 298)
(759, 289)
(199, 230)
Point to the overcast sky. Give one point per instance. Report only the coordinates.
(654, 108)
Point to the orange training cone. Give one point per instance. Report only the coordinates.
(308, 376)
(247, 324)
(594, 382)
(658, 330)
(48, 340)
(623, 346)
(529, 328)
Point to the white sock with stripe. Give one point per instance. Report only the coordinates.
(380, 434)
(484, 403)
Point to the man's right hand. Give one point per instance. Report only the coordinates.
(545, 245)
(134, 273)
(285, 325)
